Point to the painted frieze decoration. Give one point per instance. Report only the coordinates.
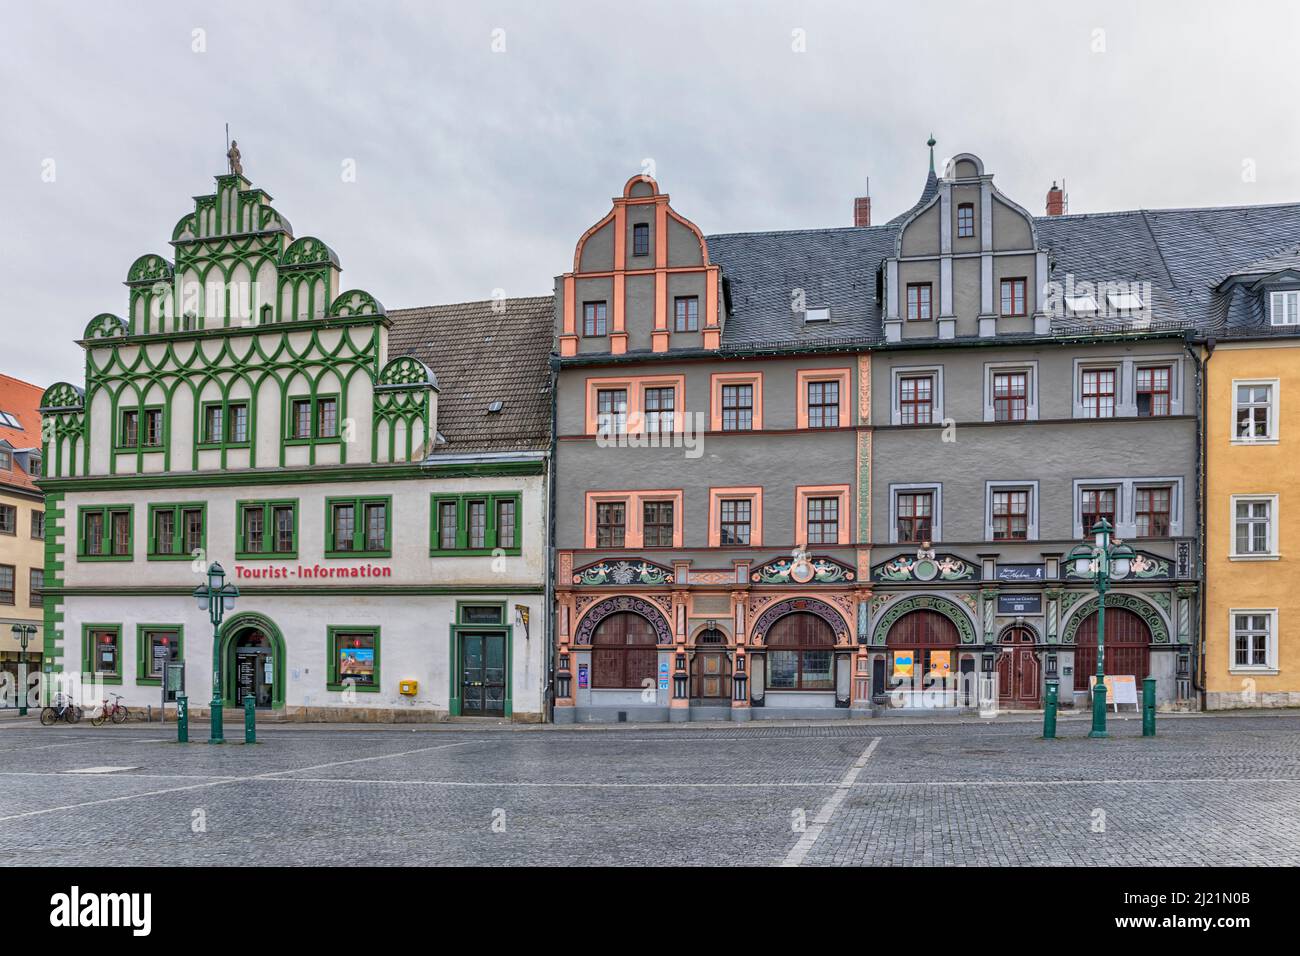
(1144, 566)
(623, 572)
(803, 568)
(615, 605)
(925, 566)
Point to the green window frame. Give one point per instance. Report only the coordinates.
(484, 523)
(134, 429)
(361, 541)
(180, 545)
(317, 417)
(103, 545)
(93, 646)
(227, 437)
(145, 638)
(269, 537)
(337, 638)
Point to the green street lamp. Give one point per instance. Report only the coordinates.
(1104, 559)
(216, 597)
(23, 633)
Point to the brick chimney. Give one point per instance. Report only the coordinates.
(862, 208)
(1056, 201)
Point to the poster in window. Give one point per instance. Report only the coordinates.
(357, 663)
(941, 663)
(904, 663)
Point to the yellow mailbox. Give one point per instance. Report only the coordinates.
(407, 688)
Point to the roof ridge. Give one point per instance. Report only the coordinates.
(1169, 276)
(488, 302)
(820, 230)
(1162, 209)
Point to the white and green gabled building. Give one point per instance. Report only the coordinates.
(375, 483)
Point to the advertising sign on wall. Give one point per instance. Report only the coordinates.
(904, 663)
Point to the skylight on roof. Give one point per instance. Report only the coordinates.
(1081, 304)
(1124, 301)
(817, 315)
(6, 418)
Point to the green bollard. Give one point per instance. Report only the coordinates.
(1149, 707)
(1049, 711)
(182, 719)
(250, 722)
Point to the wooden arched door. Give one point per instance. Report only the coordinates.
(1019, 671)
(623, 652)
(1128, 646)
(932, 638)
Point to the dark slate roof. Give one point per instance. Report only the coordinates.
(928, 192)
(481, 354)
(1183, 253)
(834, 268)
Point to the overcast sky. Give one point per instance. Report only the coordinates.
(478, 168)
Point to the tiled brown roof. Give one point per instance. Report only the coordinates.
(481, 355)
(20, 399)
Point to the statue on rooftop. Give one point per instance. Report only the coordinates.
(232, 155)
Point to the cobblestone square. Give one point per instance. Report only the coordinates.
(1209, 790)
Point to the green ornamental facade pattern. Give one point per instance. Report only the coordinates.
(243, 314)
(246, 314)
(924, 602)
(1141, 606)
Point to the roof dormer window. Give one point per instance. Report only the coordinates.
(814, 316)
(1284, 308)
(10, 420)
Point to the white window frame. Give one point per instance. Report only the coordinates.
(1031, 399)
(1274, 387)
(1273, 553)
(936, 510)
(1271, 648)
(1031, 531)
(1101, 484)
(912, 371)
(1277, 304)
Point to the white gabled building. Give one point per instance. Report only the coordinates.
(375, 483)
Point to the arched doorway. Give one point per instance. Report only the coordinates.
(800, 653)
(623, 652)
(932, 639)
(1019, 671)
(711, 667)
(253, 661)
(1128, 646)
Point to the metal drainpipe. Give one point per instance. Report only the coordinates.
(1202, 493)
(548, 693)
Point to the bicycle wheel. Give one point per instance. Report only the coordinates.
(120, 714)
(49, 716)
(72, 714)
(98, 719)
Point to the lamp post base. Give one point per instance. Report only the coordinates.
(1098, 711)
(217, 734)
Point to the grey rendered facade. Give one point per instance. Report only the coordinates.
(1006, 380)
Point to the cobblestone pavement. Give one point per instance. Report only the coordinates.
(1209, 790)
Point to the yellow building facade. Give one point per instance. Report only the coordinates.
(1252, 565)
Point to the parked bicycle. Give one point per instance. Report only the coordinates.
(63, 709)
(115, 711)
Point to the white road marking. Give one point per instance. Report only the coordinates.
(100, 770)
(211, 783)
(801, 849)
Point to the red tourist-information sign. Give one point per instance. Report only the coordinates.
(310, 572)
